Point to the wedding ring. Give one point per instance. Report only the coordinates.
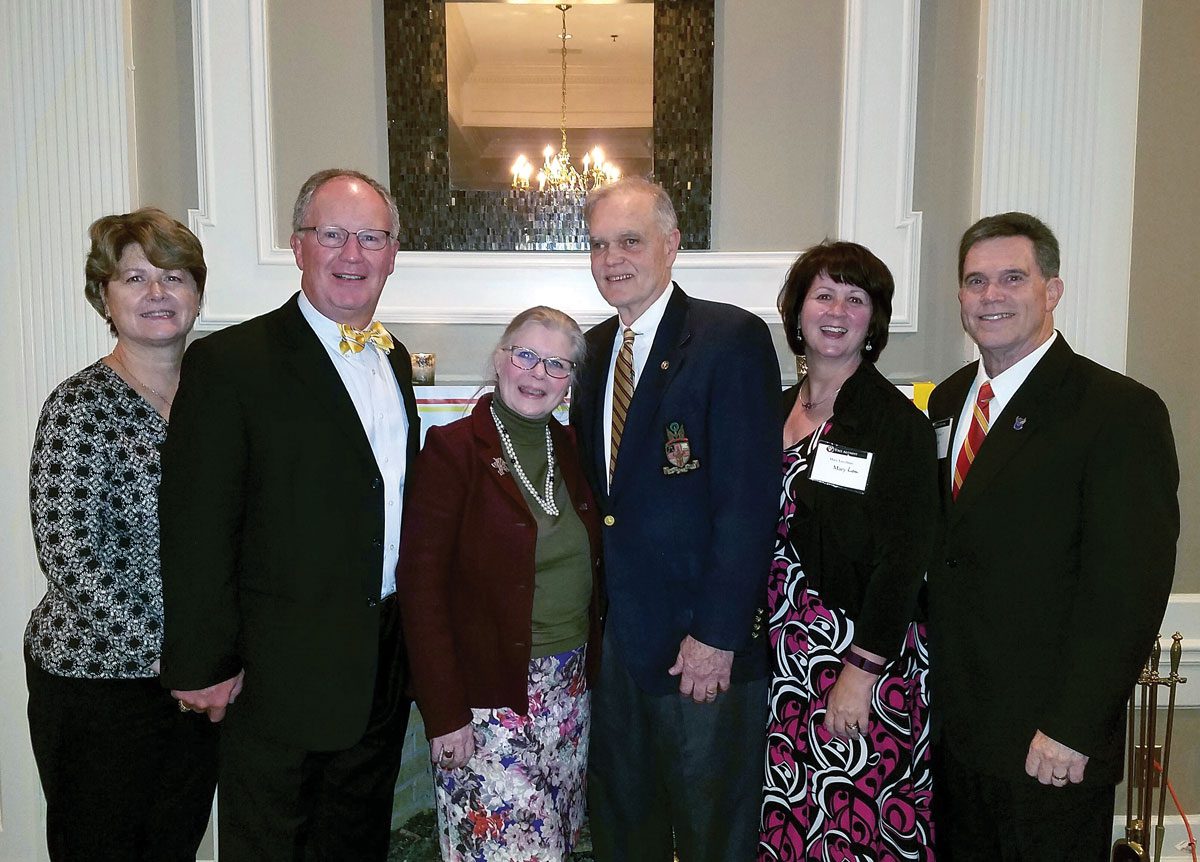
(1059, 777)
(183, 707)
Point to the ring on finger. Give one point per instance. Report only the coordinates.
(447, 754)
(183, 707)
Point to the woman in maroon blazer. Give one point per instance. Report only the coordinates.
(498, 583)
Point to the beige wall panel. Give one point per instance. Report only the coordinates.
(165, 105)
(328, 95)
(776, 120)
(1164, 304)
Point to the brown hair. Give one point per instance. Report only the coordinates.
(168, 244)
(1045, 243)
(845, 263)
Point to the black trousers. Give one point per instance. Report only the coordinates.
(982, 818)
(279, 802)
(127, 776)
(666, 773)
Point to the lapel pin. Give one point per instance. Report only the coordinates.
(665, 365)
(1019, 423)
(499, 466)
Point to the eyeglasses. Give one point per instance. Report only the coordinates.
(527, 360)
(335, 237)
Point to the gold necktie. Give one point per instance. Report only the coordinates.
(622, 395)
(354, 340)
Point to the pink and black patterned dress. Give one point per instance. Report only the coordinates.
(825, 798)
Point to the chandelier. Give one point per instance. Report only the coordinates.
(557, 173)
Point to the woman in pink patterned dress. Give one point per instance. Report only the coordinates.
(847, 773)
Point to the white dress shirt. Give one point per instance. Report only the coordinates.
(372, 386)
(644, 330)
(1004, 387)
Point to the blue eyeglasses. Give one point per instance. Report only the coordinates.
(527, 360)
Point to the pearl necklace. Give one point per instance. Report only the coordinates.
(547, 503)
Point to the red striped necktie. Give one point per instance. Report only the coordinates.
(975, 434)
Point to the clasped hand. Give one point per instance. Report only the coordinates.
(1053, 763)
(212, 700)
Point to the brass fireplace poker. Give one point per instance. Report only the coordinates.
(1141, 766)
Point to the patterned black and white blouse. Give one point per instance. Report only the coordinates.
(93, 498)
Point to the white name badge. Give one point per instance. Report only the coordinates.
(942, 429)
(842, 467)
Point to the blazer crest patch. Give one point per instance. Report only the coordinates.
(679, 451)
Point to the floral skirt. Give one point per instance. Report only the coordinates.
(521, 796)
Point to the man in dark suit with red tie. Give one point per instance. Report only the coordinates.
(677, 415)
(1059, 482)
(283, 483)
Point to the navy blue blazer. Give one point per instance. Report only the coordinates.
(1055, 567)
(690, 520)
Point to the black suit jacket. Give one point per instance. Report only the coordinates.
(868, 553)
(687, 549)
(272, 523)
(1056, 565)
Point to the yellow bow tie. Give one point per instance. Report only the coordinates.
(354, 340)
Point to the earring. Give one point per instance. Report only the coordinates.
(868, 346)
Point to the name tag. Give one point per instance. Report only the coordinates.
(842, 467)
(942, 429)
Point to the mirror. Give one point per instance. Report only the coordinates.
(510, 91)
(441, 213)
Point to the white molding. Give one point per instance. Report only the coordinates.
(1058, 116)
(250, 274)
(878, 149)
(480, 287)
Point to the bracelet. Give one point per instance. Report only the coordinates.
(863, 663)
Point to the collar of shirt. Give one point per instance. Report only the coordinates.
(644, 330)
(1004, 387)
(1007, 382)
(327, 332)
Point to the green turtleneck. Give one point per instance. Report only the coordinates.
(562, 581)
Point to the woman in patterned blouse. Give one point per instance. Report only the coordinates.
(127, 776)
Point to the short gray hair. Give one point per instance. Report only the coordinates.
(553, 319)
(664, 210)
(313, 183)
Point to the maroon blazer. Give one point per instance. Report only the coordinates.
(466, 570)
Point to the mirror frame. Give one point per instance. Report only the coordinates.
(436, 217)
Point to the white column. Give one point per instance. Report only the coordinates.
(64, 133)
(1058, 123)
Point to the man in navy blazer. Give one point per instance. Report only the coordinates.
(1060, 524)
(688, 489)
(283, 483)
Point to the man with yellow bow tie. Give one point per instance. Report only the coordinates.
(283, 484)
